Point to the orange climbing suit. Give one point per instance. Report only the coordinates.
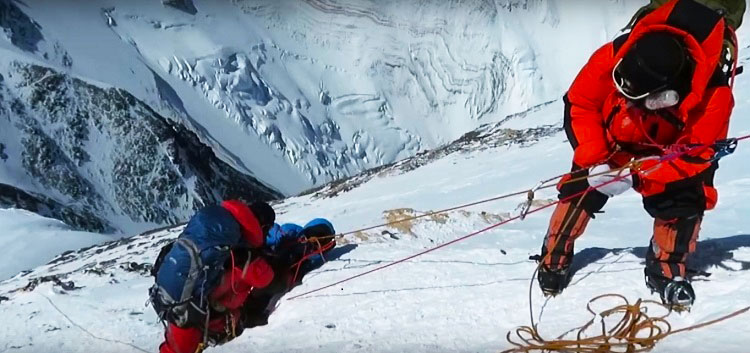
(603, 127)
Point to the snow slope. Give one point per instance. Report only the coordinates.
(463, 298)
(302, 92)
(102, 103)
(29, 240)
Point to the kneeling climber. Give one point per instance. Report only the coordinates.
(204, 278)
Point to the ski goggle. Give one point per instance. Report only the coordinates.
(626, 88)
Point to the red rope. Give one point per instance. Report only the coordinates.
(671, 157)
(320, 251)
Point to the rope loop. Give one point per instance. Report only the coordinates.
(625, 328)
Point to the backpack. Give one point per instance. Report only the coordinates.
(731, 10)
(188, 269)
(289, 254)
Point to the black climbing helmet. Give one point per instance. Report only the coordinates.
(656, 62)
(265, 215)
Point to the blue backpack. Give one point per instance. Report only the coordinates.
(281, 235)
(188, 269)
(283, 240)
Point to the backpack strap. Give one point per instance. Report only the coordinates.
(196, 267)
(695, 18)
(160, 258)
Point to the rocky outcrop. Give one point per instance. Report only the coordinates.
(77, 218)
(102, 151)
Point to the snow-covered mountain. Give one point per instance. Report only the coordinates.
(112, 161)
(462, 298)
(125, 116)
(100, 98)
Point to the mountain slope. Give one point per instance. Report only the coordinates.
(109, 158)
(293, 94)
(463, 298)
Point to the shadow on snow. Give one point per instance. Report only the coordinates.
(709, 253)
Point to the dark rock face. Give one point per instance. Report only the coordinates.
(80, 219)
(22, 31)
(107, 153)
(182, 5)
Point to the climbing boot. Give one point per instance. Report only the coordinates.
(553, 281)
(666, 272)
(676, 293)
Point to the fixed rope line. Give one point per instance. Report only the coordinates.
(483, 230)
(541, 186)
(635, 170)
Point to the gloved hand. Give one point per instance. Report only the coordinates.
(608, 186)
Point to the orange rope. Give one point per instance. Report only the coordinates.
(320, 250)
(635, 331)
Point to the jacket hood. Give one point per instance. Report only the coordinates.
(686, 20)
(251, 230)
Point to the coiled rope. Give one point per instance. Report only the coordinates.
(634, 332)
